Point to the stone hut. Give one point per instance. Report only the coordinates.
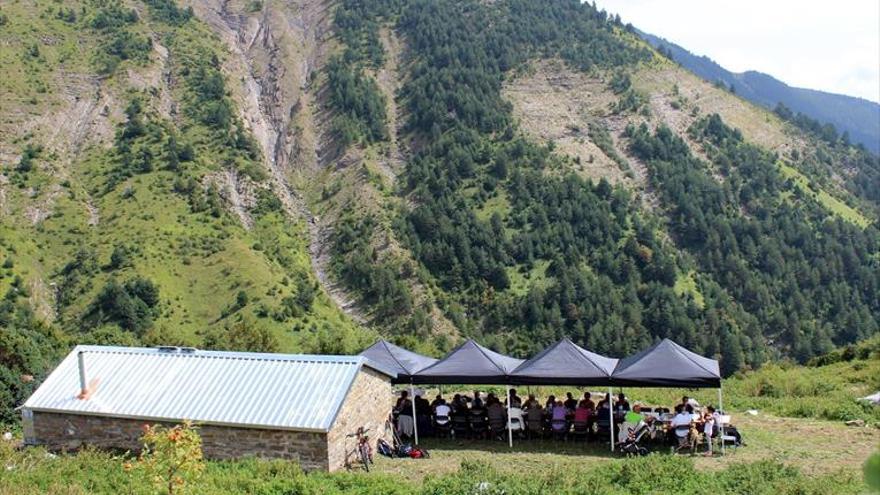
(291, 406)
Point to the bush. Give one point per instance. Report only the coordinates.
(171, 458)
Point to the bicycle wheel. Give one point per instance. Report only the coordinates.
(365, 457)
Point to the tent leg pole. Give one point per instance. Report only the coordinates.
(509, 429)
(720, 414)
(415, 418)
(611, 417)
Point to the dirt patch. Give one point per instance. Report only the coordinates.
(554, 103)
(757, 124)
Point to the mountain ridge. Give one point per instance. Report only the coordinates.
(859, 117)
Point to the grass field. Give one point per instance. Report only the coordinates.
(814, 447)
(782, 456)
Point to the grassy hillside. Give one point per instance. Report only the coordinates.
(136, 205)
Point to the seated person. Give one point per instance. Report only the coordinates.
(497, 415)
(531, 403)
(634, 416)
(685, 401)
(551, 402)
(582, 413)
(534, 413)
(456, 402)
(558, 418)
(589, 402)
(681, 423)
(514, 399)
(422, 405)
(632, 421)
(570, 402)
(534, 418)
(606, 402)
(442, 412)
(695, 417)
(477, 403)
(423, 414)
(559, 411)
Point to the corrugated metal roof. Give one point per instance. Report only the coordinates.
(278, 391)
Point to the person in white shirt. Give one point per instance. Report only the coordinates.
(441, 413)
(681, 423)
(709, 428)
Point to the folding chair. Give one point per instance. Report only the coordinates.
(460, 426)
(581, 430)
(442, 426)
(559, 428)
(479, 424)
(535, 423)
(516, 421)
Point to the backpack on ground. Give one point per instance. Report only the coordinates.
(418, 453)
(404, 449)
(384, 449)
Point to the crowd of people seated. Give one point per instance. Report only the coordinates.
(486, 417)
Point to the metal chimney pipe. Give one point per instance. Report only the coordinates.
(82, 372)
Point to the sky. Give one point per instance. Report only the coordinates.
(830, 46)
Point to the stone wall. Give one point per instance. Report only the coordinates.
(71, 431)
(368, 404)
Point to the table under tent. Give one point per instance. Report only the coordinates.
(664, 364)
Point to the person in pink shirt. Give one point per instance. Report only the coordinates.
(582, 412)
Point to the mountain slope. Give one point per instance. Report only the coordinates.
(858, 117)
(150, 177)
(302, 176)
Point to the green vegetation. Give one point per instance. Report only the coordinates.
(359, 104)
(113, 22)
(133, 243)
(600, 136)
(775, 278)
(96, 472)
(831, 203)
(379, 285)
(865, 181)
(719, 284)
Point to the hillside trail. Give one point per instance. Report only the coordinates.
(274, 54)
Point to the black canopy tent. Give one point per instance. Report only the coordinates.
(402, 361)
(396, 358)
(565, 363)
(469, 364)
(472, 364)
(667, 364)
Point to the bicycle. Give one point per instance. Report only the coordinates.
(364, 450)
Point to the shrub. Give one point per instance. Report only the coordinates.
(171, 458)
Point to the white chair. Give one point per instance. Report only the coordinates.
(515, 420)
